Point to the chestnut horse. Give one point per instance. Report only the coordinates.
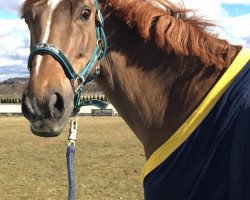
(183, 91)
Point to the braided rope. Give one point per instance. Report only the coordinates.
(70, 166)
(70, 157)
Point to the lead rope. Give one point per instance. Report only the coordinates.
(70, 157)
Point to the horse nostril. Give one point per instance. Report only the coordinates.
(27, 109)
(56, 105)
(59, 102)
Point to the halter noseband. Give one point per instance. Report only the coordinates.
(84, 77)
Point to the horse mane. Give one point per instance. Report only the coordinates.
(175, 28)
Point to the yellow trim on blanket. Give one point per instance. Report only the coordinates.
(163, 152)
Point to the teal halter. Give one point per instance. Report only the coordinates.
(84, 77)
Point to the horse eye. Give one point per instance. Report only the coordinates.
(27, 21)
(85, 14)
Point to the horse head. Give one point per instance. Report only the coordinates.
(65, 47)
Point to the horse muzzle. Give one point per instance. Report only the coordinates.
(47, 116)
(46, 128)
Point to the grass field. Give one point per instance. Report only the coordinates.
(108, 162)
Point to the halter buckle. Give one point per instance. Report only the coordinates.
(100, 43)
(99, 17)
(80, 81)
(72, 131)
(98, 69)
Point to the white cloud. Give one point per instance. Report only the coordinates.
(14, 35)
(238, 29)
(234, 29)
(14, 48)
(11, 5)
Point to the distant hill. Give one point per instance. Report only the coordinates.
(16, 86)
(13, 86)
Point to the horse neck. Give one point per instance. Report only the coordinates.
(153, 91)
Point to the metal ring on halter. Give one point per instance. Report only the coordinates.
(72, 131)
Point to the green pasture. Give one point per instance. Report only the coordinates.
(108, 162)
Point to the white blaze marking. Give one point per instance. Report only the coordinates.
(52, 5)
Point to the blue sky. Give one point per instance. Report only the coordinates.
(232, 15)
(4, 14)
(236, 9)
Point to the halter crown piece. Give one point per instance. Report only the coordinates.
(84, 77)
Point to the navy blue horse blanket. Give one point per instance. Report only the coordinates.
(212, 162)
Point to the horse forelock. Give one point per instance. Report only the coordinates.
(26, 5)
(175, 28)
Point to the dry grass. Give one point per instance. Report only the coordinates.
(107, 163)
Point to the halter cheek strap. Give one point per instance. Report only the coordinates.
(84, 77)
